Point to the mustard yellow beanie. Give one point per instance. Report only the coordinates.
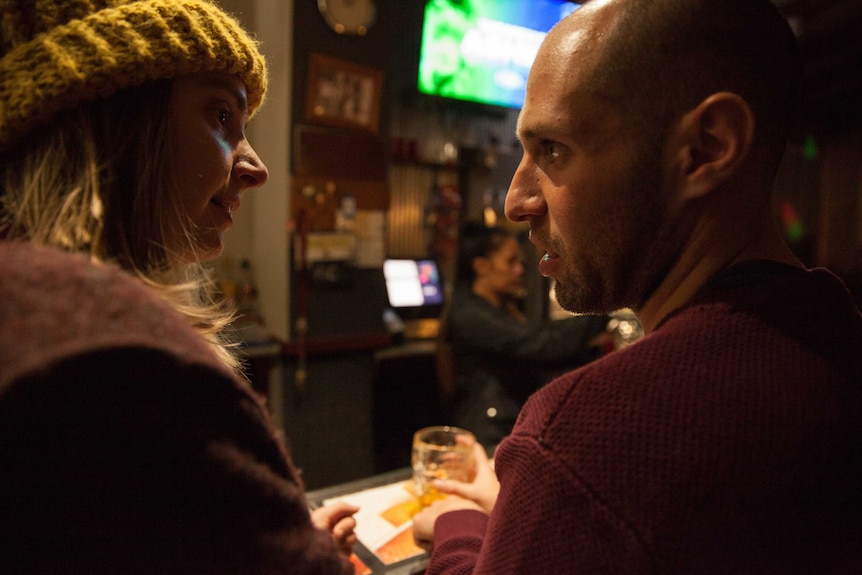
(56, 54)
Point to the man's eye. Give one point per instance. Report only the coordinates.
(223, 116)
(551, 149)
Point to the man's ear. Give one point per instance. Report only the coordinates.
(716, 139)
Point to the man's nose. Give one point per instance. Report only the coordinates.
(524, 199)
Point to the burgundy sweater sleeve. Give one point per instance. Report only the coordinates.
(457, 542)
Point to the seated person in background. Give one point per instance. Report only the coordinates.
(498, 358)
(729, 438)
(129, 440)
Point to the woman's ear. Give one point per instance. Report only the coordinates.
(716, 139)
(480, 265)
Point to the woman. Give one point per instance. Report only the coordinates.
(498, 358)
(132, 443)
(146, 178)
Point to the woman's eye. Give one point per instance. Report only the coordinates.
(223, 116)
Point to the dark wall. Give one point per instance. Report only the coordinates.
(329, 425)
(391, 45)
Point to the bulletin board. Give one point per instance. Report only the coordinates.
(331, 163)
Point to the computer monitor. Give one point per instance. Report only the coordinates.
(414, 288)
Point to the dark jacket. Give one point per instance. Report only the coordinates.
(497, 362)
(125, 445)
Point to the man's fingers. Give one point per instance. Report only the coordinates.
(452, 487)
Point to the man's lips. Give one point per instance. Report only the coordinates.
(541, 246)
(548, 263)
(549, 254)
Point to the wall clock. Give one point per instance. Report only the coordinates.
(349, 17)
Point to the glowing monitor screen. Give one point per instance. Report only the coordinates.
(482, 50)
(413, 284)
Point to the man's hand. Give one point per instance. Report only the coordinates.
(484, 488)
(480, 494)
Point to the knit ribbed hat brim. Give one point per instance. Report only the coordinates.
(77, 52)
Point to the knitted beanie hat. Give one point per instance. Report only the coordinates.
(56, 54)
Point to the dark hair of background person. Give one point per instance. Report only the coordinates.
(476, 240)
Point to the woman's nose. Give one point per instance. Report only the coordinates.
(249, 168)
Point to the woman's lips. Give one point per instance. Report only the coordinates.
(227, 207)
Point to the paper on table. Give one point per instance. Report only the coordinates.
(384, 522)
(359, 566)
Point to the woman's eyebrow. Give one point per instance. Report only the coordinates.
(231, 87)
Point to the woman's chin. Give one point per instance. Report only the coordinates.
(204, 251)
(211, 253)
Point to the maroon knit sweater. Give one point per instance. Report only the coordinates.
(125, 445)
(728, 441)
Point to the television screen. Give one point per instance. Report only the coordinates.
(413, 284)
(481, 50)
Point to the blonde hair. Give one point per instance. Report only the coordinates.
(94, 185)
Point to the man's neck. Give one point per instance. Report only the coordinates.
(710, 250)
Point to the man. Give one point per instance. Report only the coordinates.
(727, 440)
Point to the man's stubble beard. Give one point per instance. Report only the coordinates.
(634, 254)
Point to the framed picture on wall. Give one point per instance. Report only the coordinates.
(342, 93)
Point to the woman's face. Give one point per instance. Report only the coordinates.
(502, 270)
(212, 162)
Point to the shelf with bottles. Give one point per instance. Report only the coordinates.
(428, 155)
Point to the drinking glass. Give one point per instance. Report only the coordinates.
(441, 452)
